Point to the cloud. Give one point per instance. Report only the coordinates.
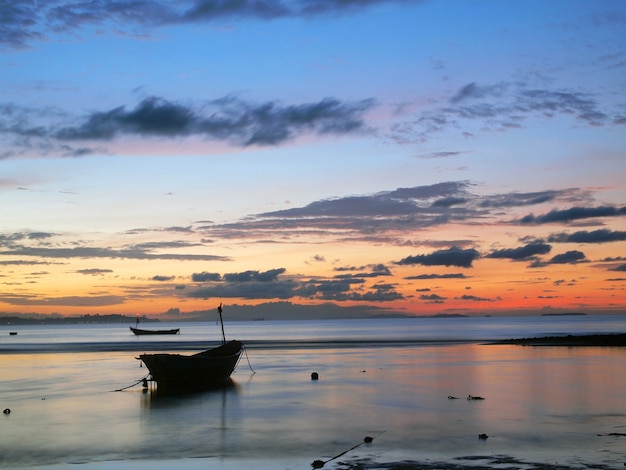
(573, 213)
(502, 106)
(76, 301)
(21, 23)
(162, 278)
(521, 199)
(227, 119)
(388, 216)
(522, 253)
(254, 276)
(475, 298)
(91, 252)
(595, 236)
(451, 257)
(205, 276)
(422, 277)
(433, 298)
(569, 257)
(269, 284)
(376, 271)
(94, 271)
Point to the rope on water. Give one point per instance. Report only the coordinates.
(366, 440)
(245, 350)
(145, 377)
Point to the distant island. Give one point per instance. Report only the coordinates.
(612, 339)
(82, 319)
(562, 314)
(447, 315)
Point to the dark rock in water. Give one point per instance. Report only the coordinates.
(317, 464)
(315, 376)
(450, 397)
(7, 411)
(368, 439)
(482, 436)
(473, 397)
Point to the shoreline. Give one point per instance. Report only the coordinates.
(612, 340)
(465, 462)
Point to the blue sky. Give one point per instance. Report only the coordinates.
(323, 143)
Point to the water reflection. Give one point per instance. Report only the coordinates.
(536, 399)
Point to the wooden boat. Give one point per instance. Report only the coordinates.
(177, 372)
(140, 331)
(197, 371)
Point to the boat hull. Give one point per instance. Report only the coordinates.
(140, 332)
(191, 372)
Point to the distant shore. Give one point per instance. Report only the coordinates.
(618, 339)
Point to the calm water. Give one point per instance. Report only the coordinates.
(389, 379)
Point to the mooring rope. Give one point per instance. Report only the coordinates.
(245, 350)
(132, 385)
(366, 440)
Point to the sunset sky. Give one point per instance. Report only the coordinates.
(419, 157)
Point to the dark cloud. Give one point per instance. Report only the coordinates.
(573, 213)
(388, 216)
(433, 298)
(376, 271)
(23, 22)
(423, 277)
(254, 276)
(162, 278)
(569, 257)
(227, 119)
(521, 199)
(205, 276)
(595, 236)
(269, 285)
(475, 298)
(621, 267)
(451, 257)
(19, 23)
(393, 210)
(522, 253)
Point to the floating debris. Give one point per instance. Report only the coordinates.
(482, 436)
(7, 411)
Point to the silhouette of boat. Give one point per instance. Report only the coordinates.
(178, 372)
(140, 331)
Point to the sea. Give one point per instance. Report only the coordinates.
(72, 396)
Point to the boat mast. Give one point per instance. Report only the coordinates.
(219, 309)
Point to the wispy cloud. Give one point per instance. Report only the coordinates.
(95, 252)
(503, 106)
(24, 22)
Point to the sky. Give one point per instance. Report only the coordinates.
(390, 156)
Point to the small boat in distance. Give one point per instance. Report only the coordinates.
(139, 331)
(210, 368)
